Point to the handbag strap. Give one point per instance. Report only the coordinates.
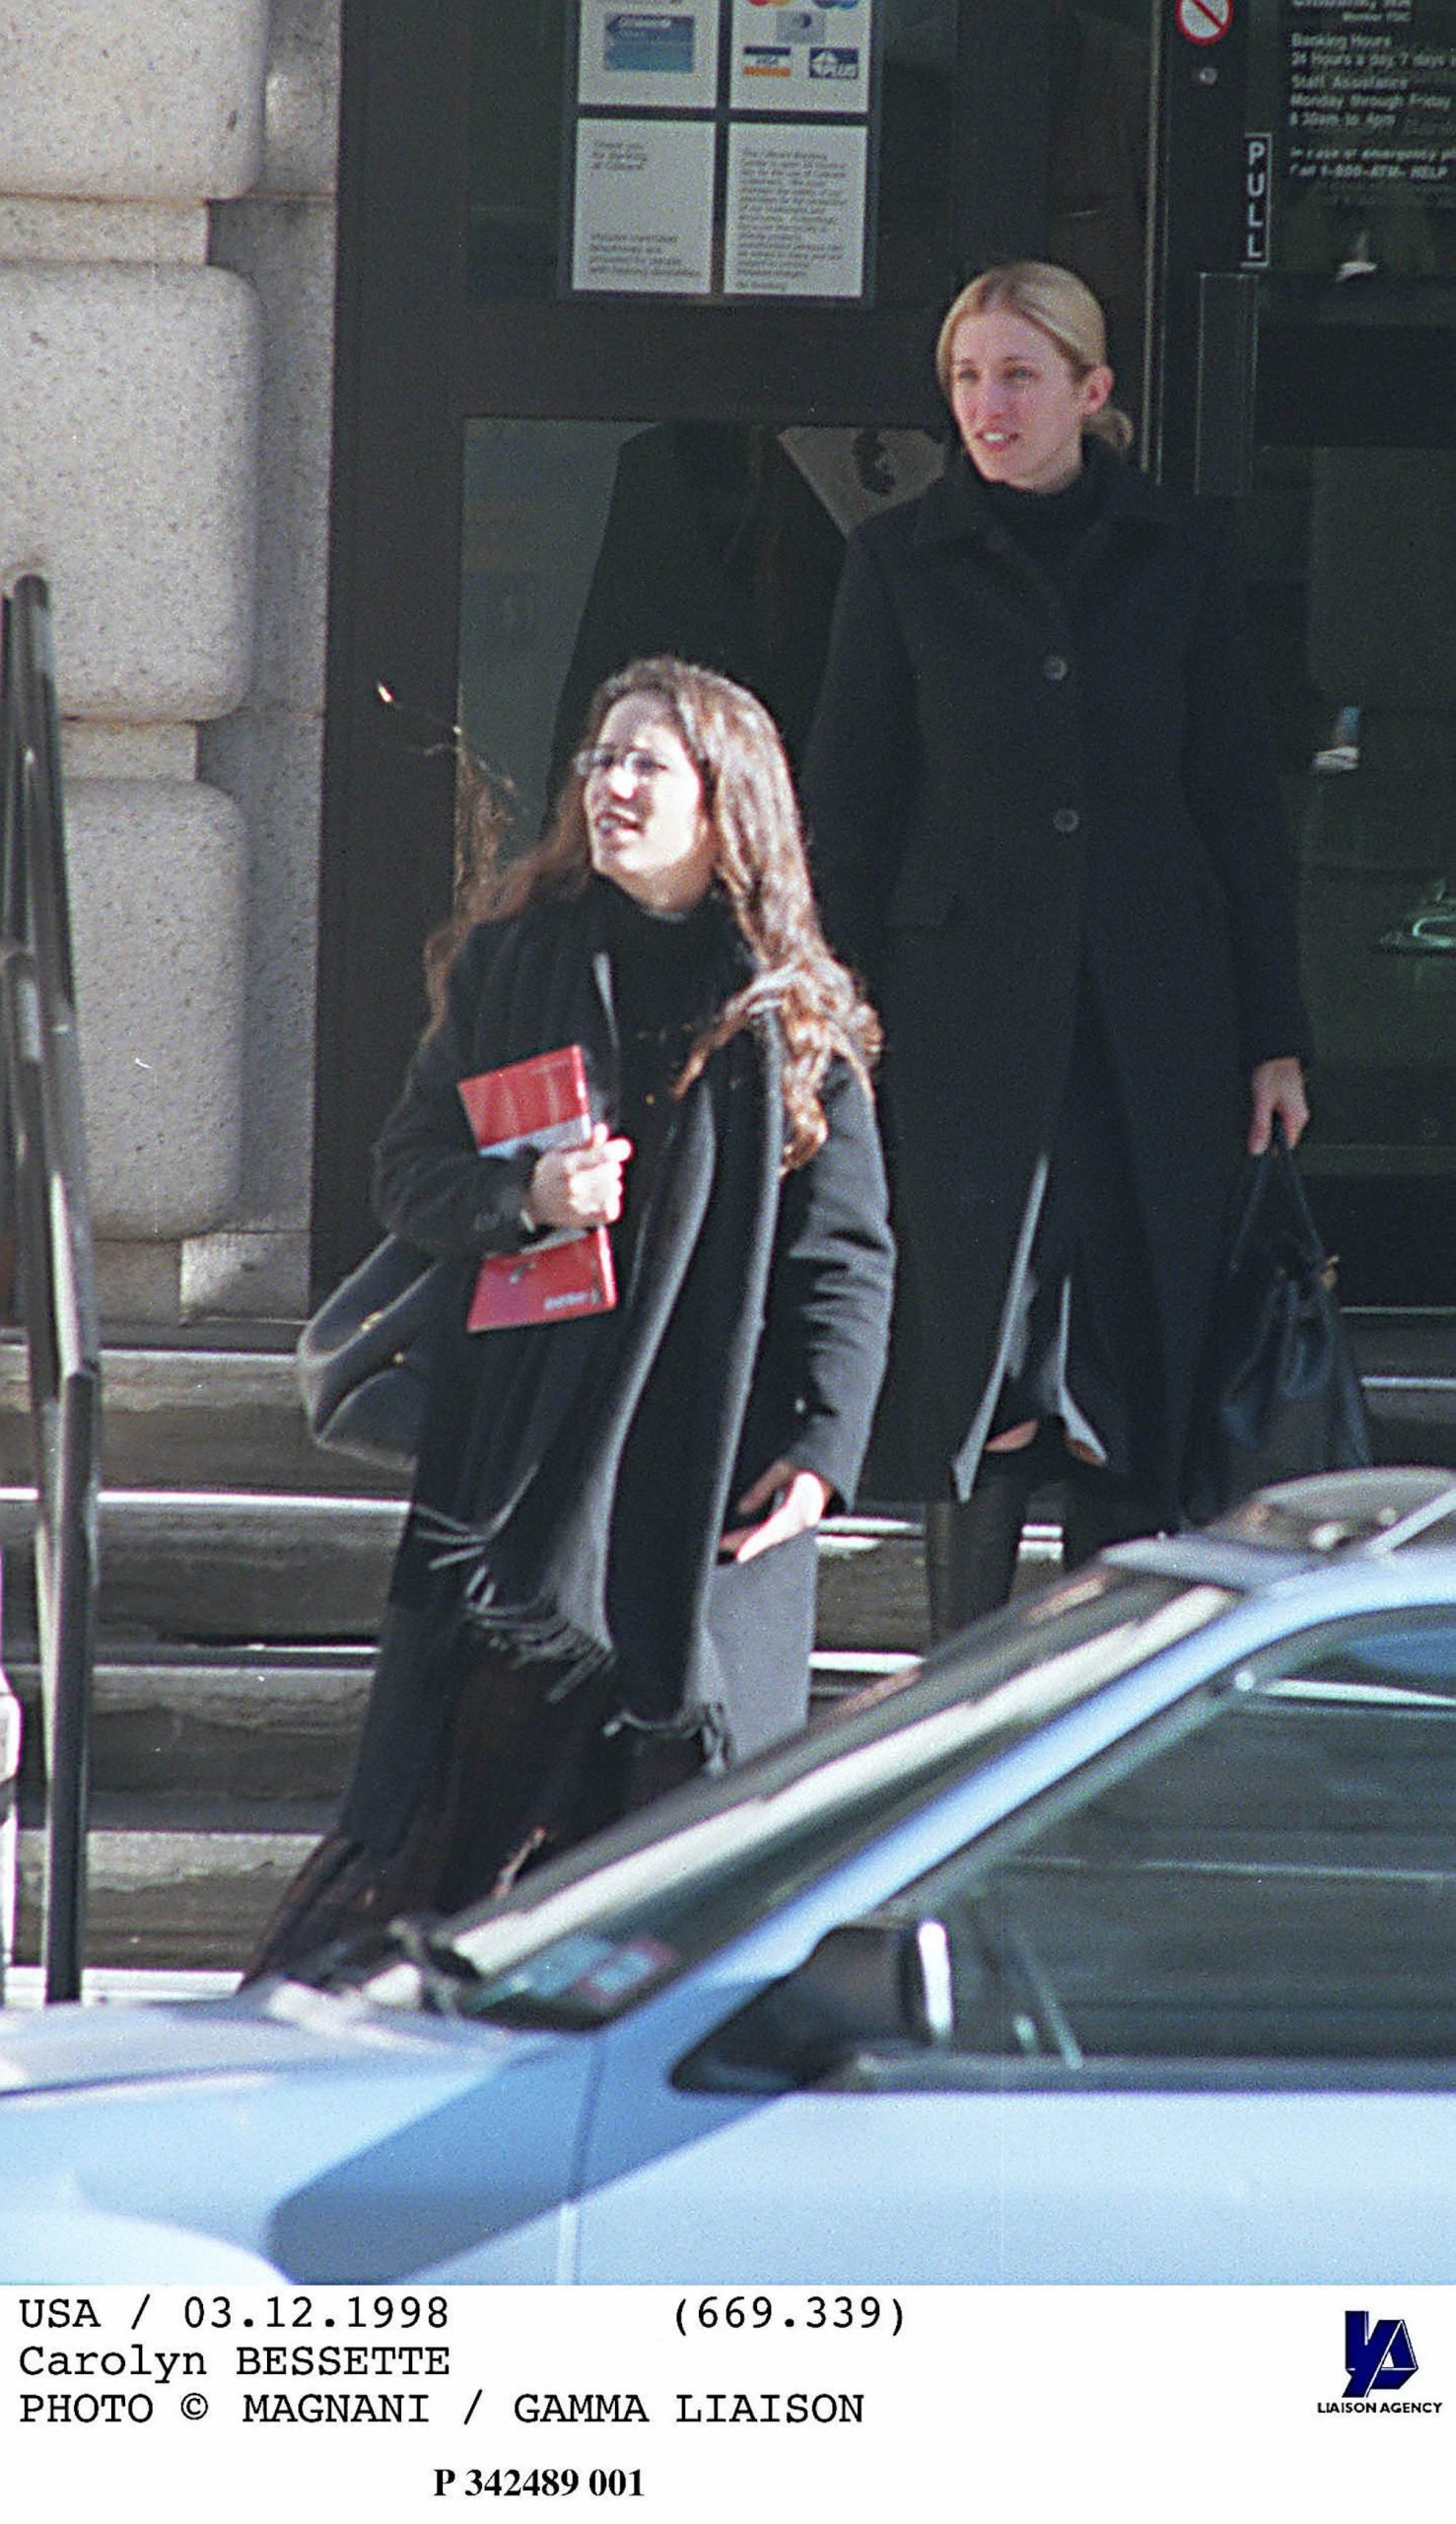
(1276, 1164)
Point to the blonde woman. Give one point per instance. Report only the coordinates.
(1045, 828)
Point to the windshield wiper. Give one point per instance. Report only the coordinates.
(443, 1972)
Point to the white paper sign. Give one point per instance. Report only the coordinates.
(795, 210)
(663, 56)
(801, 60)
(644, 207)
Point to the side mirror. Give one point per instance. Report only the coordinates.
(870, 1983)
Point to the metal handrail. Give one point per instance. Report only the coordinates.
(47, 1215)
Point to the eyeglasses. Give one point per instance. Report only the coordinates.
(641, 768)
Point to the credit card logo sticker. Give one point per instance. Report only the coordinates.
(635, 41)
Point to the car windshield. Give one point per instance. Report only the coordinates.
(587, 1938)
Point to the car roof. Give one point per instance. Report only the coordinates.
(1373, 1513)
(1390, 1531)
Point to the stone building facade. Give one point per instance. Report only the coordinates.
(167, 251)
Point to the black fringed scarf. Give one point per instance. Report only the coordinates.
(575, 1478)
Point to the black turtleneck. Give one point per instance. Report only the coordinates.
(1048, 525)
(671, 971)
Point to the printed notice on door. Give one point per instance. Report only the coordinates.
(644, 207)
(1371, 101)
(636, 57)
(795, 210)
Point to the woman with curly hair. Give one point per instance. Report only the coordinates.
(606, 1580)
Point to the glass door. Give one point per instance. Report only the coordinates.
(1349, 531)
(1305, 369)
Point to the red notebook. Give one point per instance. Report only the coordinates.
(542, 1100)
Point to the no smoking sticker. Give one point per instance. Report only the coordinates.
(1205, 21)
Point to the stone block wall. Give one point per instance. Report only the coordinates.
(165, 294)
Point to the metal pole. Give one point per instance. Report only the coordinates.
(54, 1225)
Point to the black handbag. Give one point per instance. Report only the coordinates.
(364, 1358)
(1279, 1394)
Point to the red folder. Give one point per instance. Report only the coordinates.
(542, 1102)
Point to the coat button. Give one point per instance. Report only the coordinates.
(1055, 668)
(1066, 819)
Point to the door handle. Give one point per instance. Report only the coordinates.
(1227, 374)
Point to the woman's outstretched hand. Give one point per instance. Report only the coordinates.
(796, 1500)
(579, 1187)
(1278, 1086)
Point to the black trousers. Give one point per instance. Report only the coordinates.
(971, 1545)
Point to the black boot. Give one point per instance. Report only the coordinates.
(971, 1544)
(1097, 1510)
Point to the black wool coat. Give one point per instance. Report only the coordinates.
(1020, 791)
(593, 1463)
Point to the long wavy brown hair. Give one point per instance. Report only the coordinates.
(761, 873)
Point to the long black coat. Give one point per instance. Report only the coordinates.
(597, 1461)
(1016, 793)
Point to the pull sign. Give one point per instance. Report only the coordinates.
(1258, 162)
(1204, 21)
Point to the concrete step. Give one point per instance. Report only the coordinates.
(213, 1406)
(871, 1584)
(275, 1730)
(246, 1566)
(273, 1725)
(221, 1520)
(174, 1881)
(122, 1985)
(214, 1563)
(216, 1409)
(1407, 1372)
(225, 1523)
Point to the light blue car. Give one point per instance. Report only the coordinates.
(1117, 1943)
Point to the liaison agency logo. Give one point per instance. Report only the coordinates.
(1379, 2364)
